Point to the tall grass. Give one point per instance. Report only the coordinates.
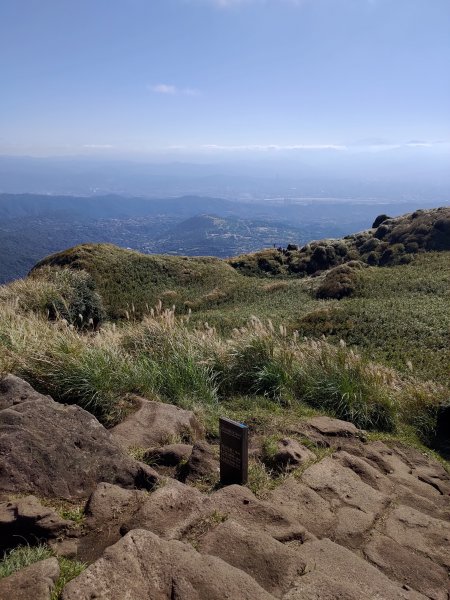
(345, 384)
(195, 366)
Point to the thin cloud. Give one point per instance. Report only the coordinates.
(172, 90)
(420, 144)
(98, 146)
(274, 147)
(231, 3)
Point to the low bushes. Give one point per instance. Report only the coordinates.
(340, 282)
(57, 294)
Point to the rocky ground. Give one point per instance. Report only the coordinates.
(357, 520)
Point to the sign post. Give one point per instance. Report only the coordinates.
(233, 452)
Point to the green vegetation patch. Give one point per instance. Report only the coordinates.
(24, 556)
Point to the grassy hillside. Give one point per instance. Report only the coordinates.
(130, 282)
(199, 333)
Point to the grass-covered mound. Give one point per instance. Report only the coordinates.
(130, 282)
(390, 241)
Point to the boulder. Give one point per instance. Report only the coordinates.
(241, 505)
(54, 450)
(34, 582)
(291, 454)
(203, 464)
(142, 566)
(168, 456)
(335, 573)
(272, 564)
(333, 427)
(26, 520)
(108, 507)
(169, 510)
(157, 424)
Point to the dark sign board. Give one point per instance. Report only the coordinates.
(233, 452)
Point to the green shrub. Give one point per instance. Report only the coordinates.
(380, 219)
(57, 294)
(78, 302)
(339, 282)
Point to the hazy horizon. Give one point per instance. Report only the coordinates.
(222, 80)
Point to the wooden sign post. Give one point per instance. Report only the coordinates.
(233, 452)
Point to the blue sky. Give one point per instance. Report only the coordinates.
(205, 77)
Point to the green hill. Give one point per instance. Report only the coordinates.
(95, 324)
(129, 281)
(399, 314)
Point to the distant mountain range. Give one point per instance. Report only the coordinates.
(33, 226)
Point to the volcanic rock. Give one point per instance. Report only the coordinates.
(34, 582)
(203, 464)
(335, 573)
(142, 566)
(54, 450)
(291, 454)
(168, 456)
(272, 564)
(26, 520)
(157, 424)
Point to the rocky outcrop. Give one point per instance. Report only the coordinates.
(54, 450)
(35, 582)
(275, 566)
(26, 520)
(359, 520)
(334, 573)
(143, 566)
(157, 424)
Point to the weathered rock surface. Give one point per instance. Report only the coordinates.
(108, 507)
(14, 390)
(143, 566)
(291, 454)
(272, 564)
(31, 583)
(409, 567)
(157, 424)
(26, 520)
(388, 503)
(333, 427)
(241, 505)
(54, 450)
(334, 573)
(202, 464)
(168, 456)
(384, 507)
(168, 511)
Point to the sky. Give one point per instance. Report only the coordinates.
(175, 78)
